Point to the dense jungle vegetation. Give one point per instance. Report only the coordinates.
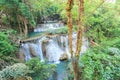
(97, 20)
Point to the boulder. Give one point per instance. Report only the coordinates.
(32, 50)
(63, 57)
(21, 55)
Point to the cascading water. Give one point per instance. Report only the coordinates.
(53, 51)
(64, 44)
(51, 46)
(47, 26)
(32, 50)
(25, 49)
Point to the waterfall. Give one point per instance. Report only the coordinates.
(26, 51)
(53, 51)
(84, 46)
(51, 47)
(36, 50)
(47, 26)
(32, 50)
(64, 44)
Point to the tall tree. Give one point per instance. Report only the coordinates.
(69, 22)
(75, 57)
(79, 38)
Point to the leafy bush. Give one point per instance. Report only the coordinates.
(6, 46)
(13, 72)
(100, 64)
(63, 30)
(115, 42)
(103, 23)
(40, 70)
(25, 11)
(7, 61)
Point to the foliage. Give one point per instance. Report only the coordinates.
(99, 63)
(25, 11)
(15, 12)
(40, 70)
(6, 46)
(44, 9)
(63, 30)
(12, 72)
(104, 23)
(102, 20)
(7, 61)
(114, 42)
(89, 7)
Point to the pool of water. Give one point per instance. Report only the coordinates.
(61, 71)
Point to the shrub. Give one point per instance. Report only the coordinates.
(6, 46)
(7, 61)
(40, 70)
(13, 72)
(100, 64)
(115, 42)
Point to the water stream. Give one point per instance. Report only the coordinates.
(50, 47)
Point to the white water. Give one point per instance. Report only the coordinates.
(26, 51)
(53, 48)
(53, 51)
(30, 48)
(48, 26)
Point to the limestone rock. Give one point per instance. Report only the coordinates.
(63, 57)
(21, 55)
(32, 50)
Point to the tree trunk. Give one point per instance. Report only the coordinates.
(80, 27)
(26, 28)
(75, 68)
(79, 39)
(19, 26)
(69, 22)
(75, 58)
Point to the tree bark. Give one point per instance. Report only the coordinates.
(69, 22)
(80, 27)
(75, 58)
(26, 28)
(79, 39)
